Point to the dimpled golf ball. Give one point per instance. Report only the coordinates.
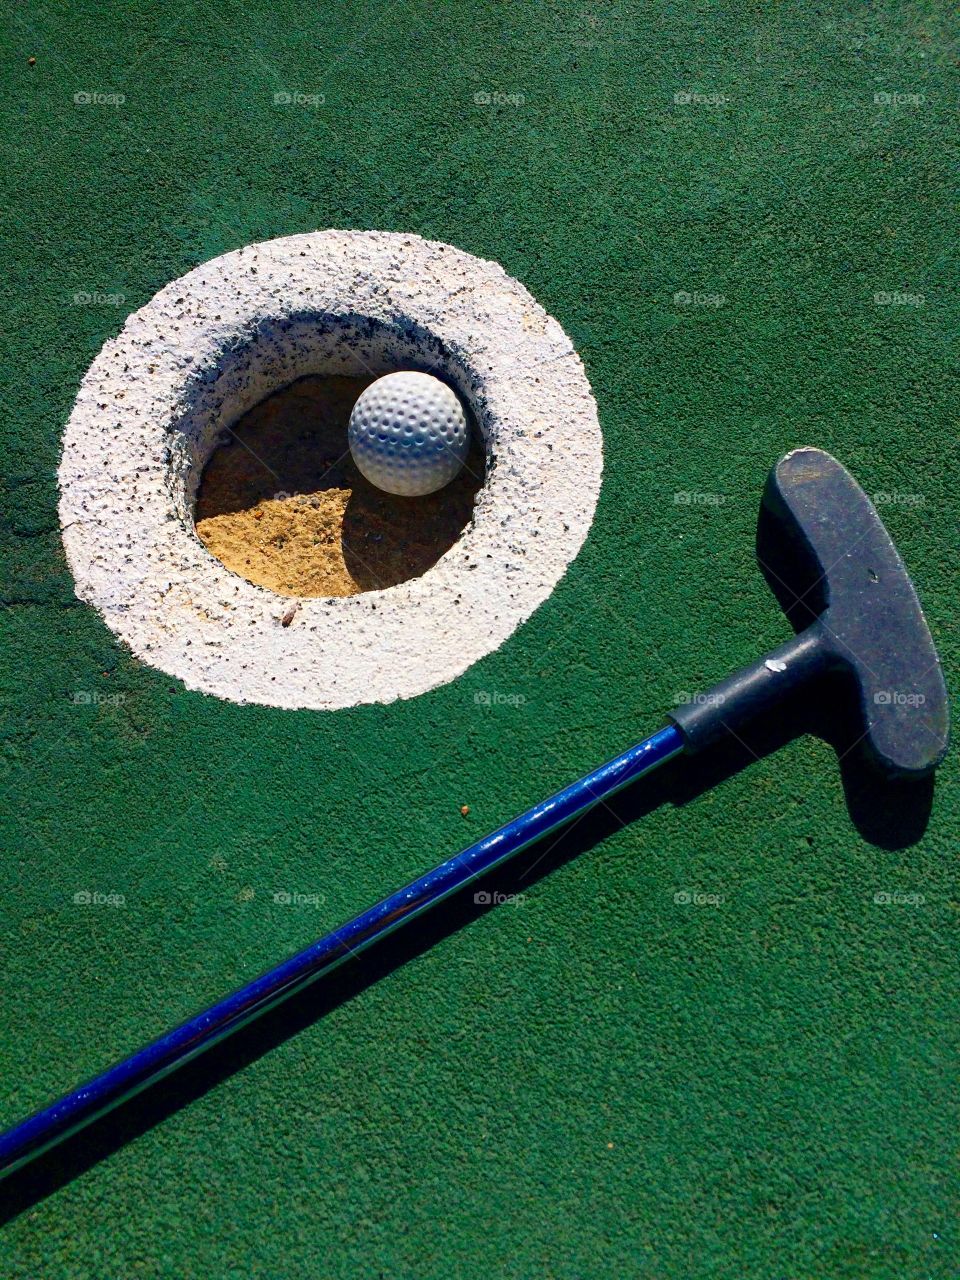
(409, 434)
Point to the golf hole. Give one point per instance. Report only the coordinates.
(281, 501)
(262, 472)
(352, 596)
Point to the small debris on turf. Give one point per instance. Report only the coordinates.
(464, 810)
(31, 62)
(290, 614)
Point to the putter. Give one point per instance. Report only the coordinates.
(856, 615)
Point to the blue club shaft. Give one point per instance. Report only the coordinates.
(74, 1110)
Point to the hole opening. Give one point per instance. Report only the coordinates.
(261, 471)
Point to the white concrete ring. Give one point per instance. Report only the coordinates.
(214, 343)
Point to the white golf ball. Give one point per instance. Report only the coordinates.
(409, 434)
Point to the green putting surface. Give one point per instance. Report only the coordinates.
(599, 1079)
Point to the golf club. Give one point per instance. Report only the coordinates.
(856, 616)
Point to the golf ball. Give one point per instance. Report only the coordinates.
(409, 434)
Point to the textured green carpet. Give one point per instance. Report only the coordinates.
(598, 1082)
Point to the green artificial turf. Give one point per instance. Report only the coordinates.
(599, 1081)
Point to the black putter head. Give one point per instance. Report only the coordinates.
(844, 588)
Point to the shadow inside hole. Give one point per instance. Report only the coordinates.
(281, 502)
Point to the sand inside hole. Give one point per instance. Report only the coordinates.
(281, 502)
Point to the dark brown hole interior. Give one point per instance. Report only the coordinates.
(281, 502)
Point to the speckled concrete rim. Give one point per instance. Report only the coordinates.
(217, 341)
